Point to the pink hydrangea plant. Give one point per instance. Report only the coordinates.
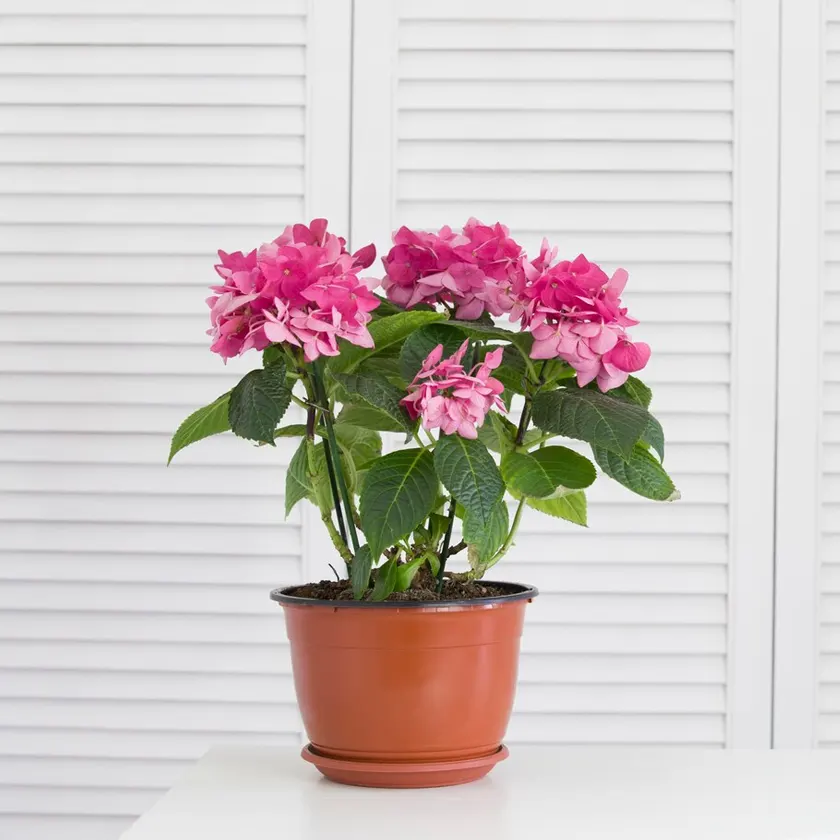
(302, 289)
(448, 398)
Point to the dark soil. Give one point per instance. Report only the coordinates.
(421, 589)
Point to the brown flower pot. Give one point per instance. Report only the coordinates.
(405, 694)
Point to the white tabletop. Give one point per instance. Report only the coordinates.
(246, 793)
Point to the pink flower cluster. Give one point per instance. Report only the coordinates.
(303, 289)
(572, 308)
(453, 268)
(449, 398)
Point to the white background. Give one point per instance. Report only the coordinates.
(693, 142)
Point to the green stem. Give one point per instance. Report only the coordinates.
(310, 434)
(514, 526)
(447, 537)
(321, 395)
(525, 419)
(339, 543)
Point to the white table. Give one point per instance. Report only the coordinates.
(564, 794)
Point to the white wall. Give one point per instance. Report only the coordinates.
(138, 137)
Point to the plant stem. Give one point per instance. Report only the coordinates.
(514, 526)
(447, 537)
(321, 395)
(311, 418)
(339, 543)
(525, 419)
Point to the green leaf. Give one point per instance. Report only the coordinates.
(487, 540)
(399, 493)
(298, 486)
(383, 365)
(385, 308)
(406, 573)
(470, 474)
(434, 562)
(384, 332)
(439, 524)
(539, 473)
(307, 476)
(571, 506)
(366, 417)
(636, 391)
(556, 370)
(258, 403)
(475, 329)
(210, 420)
(273, 354)
(361, 445)
(591, 416)
(360, 572)
(386, 580)
(642, 474)
(319, 477)
(293, 430)
(498, 433)
(377, 392)
(654, 436)
(420, 343)
(511, 378)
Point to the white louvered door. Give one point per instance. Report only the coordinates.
(617, 130)
(808, 519)
(136, 138)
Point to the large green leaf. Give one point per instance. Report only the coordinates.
(635, 391)
(597, 418)
(361, 445)
(539, 473)
(642, 473)
(570, 506)
(470, 474)
(360, 572)
(654, 436)
(384, 332)
(298, 485)
(367, 417)
(376, 392)
(485, 540)
(258, 403)
(210, 420)
(420, 343)
(399, 492)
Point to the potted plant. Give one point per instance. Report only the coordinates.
(405, 670)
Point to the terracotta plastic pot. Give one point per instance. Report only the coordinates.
(406, 694)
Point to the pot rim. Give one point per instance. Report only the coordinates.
(516, 592)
